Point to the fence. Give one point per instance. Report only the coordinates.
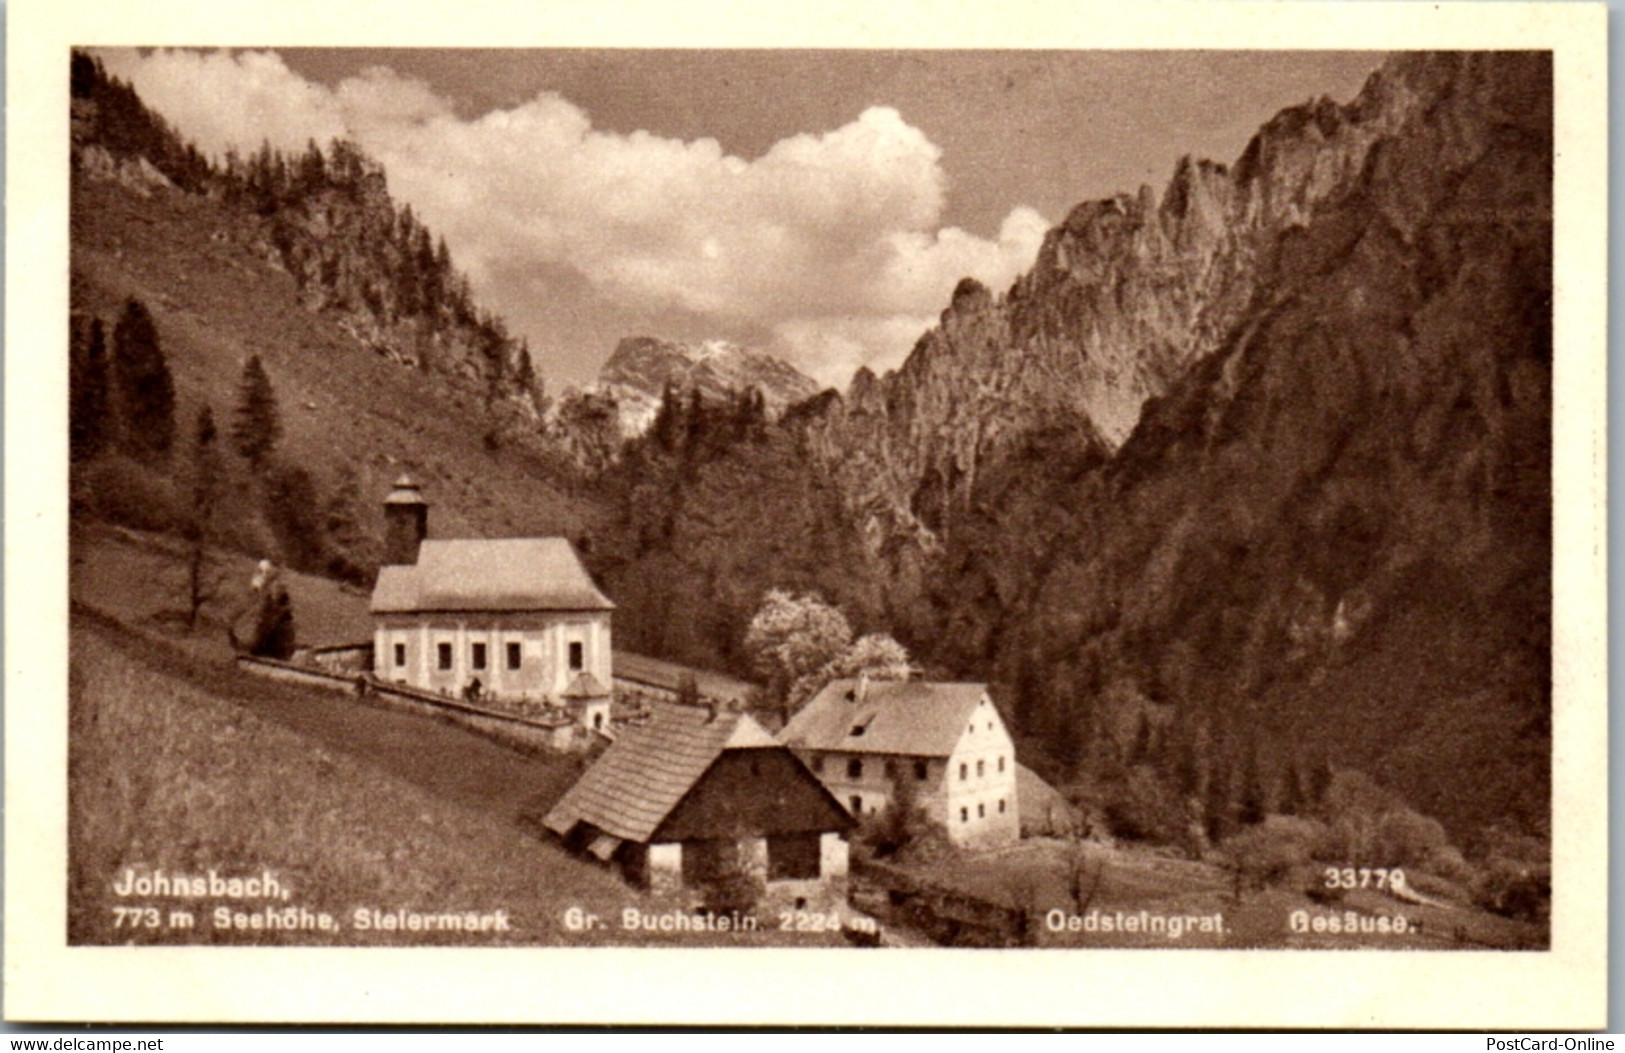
(949, 916)
(525, 733)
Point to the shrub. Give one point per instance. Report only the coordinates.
(1405, 838)
(293, 508)
(1272, 851)
(732, 885)
(1141, 807)
(123, 490)
(903, 831)
(1515, 890)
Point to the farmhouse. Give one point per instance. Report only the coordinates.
(944, 746)
(512, 623)
(696, 792)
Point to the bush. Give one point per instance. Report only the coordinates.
(903, 832)
(732, 885)
(1408, 839)
(1141, 807)
(1516, 890)
(293, 508)
(125, 491)
(1369, 826)
(1274, 850)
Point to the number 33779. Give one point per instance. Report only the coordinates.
(1381, 878)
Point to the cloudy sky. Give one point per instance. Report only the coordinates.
(820, 204)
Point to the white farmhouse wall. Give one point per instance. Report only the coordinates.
(981, 783)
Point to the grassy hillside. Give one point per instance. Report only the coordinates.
(186, 765)
(216, 301)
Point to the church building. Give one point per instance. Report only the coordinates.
(514, 623)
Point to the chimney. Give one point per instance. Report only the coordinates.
(406, 522)
(861, 692)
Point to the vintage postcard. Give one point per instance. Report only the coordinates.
(914, 513)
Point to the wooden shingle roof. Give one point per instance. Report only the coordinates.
(636, 783)
(480, 574)
(908, 717)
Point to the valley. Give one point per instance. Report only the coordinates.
(1238, 501)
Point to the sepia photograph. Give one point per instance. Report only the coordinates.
(1050, 505)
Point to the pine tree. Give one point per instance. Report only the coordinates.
(668, 423)
(202, 581)
(1218, 808)
(1294, 794)
(1140, 751)
(353, 554)
(258, 426)
(1250, 805)
(146, 391)
(89, 417)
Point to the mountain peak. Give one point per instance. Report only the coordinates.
(642, 367)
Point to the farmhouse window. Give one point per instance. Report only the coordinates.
(964, 815)
(981, 811)
(1001, 805)
(964, 772)
(981, 767)
(577, 656)
(792, 856)
(854, 768)
(818, 765)
(478, 657)
(1001, 763)
(513, 656)
(891, 769)
(856, 804)
(920, 768)
(400, 654)
(443, 653)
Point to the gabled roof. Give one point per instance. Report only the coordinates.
(585, 685)
(636, 783)
(911, 717)
(476, 574)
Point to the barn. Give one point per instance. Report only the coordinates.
(696, 792)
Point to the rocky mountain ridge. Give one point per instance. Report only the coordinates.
(1124, 297)
(326, 218)
(641, 368)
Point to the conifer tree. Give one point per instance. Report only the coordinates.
(201, 580)
(258, 426)
(89, 421)
(146, 391)
(1250, 805)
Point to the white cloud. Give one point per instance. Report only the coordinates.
(830, 241)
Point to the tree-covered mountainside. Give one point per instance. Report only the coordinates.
(323, 325)
(1242, 491)
(1323, 539)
